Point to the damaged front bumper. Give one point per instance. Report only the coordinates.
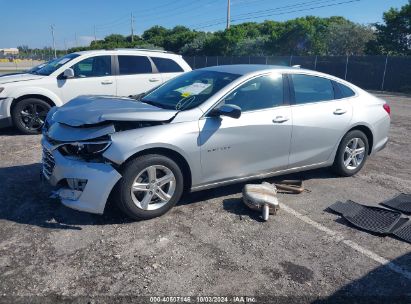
(86, 185)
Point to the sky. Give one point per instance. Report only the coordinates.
(27, 22)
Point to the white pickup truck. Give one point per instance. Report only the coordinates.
(26, 98)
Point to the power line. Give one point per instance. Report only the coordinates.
(183, 9)
(277, 14)
(279, 8)
(300, 4)
(300, 10)
(123, 17)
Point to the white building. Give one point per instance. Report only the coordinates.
(9, 51)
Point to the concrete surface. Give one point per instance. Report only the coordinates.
(209, 244)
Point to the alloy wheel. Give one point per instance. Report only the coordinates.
(354, 153)
(33, 116)
(153, 187)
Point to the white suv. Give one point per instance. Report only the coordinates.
(26, 98)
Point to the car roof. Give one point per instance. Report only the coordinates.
(243, 69)
(146, 52)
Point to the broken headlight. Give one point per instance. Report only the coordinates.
(86, 150)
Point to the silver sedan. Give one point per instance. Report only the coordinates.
(204, 129)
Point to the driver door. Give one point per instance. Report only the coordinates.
(257, 142)
(92, 76)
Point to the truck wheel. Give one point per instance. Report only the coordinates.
(151, 185)
(352, 153)
(29, 114)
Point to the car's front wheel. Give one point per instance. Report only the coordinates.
(151, 185)
(352, 153)
(29, 115)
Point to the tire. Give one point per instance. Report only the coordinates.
(352, 153)
(136, 175)
(29, 114)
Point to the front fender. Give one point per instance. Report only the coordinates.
(20, 92)
(181, 138)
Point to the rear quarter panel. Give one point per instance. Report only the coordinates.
(368, 111)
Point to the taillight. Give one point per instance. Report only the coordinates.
(387, 108)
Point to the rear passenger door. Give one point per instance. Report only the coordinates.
(320, 119)
(135, 75)
(167, 67)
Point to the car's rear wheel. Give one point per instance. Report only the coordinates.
(29, 115)
(151, 185)
(352, 153)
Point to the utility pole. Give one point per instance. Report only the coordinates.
(228, 15)
(95, 36)
(54, 42)
(132, 27)
(75, 39)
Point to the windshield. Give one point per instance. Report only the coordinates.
(189, 90)
(53, 65)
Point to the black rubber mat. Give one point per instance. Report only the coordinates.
(404, 232)
(373, 219)
(401, 202)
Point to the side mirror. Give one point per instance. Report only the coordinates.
(68, 73)
(229, 110)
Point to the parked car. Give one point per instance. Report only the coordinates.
(207, 128)
(26, 98)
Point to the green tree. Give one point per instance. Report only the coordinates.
(394, 36)
(348, 38)
(156, 35)
(178, 37)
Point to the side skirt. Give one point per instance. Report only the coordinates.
(259, 176)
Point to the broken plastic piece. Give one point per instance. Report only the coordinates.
(290, 186)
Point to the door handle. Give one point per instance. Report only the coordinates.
(107, 82)
(154, 79)
(340, 112)
(280, 119)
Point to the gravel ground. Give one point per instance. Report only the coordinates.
(209, 244)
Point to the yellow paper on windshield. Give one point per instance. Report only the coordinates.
(193, 89)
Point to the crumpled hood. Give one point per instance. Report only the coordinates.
(19, 77)
(88, 110)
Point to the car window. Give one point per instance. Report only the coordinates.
(130, 65)
(345, 91)
(188, 90)
(53, 65)
(260, 93)
(93, 67)
(311, 88)
(165, 65)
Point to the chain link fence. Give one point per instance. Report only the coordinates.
(385, 73)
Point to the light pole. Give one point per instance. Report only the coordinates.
(54, 42)
(228, 15)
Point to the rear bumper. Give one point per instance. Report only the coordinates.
(100, 177)
(381, 132)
